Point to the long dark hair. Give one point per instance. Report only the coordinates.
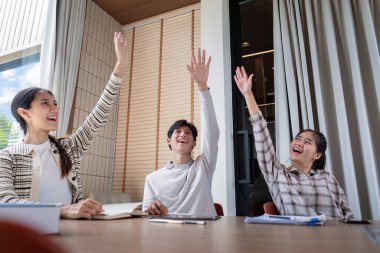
(321, 143)
(24, 100)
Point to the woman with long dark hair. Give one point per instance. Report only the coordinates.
(304, 188)
(41, 168)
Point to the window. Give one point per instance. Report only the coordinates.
(15, 76)
(252, 47)
(21, 32)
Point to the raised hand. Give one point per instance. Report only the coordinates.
(199, 69)
(243, 82)
(121, 52)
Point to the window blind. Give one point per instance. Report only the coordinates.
(158, 90)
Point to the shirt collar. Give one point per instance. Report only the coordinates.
(171, 165)
(291, 169)
(24, 149)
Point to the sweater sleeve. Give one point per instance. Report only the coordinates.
(149, 193)
(266, 156)
(210, 132)
(7, 187)
(346, 210)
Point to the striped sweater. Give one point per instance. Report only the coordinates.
(20, 167)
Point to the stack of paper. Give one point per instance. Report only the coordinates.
(286, 219)
(373, 233)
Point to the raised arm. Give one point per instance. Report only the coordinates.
(266, 156)
(244, 83)
(199, 71)
(99, 115)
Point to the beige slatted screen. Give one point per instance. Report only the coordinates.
(175, 82)
(141, 145)
(123, 112)
(196, 102)
(157, 91)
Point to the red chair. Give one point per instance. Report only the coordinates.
(270, 208)
(16, 238)
(219, 209)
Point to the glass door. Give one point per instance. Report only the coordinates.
(251, 47)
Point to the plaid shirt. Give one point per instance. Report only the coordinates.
(294, 192)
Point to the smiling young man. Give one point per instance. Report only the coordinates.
(184, 184)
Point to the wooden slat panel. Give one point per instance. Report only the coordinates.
(143, 105)
(20, 24)
(9, 17)
(176, 84)
(17, 30)
(196, 101)
(123, 118)
(158, 75)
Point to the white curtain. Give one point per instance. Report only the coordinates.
(327, 77)
(60, 53)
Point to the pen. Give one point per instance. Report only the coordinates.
(280, 217)
(194, 222)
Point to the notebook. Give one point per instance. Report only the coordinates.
(287, 219)
(120, 211)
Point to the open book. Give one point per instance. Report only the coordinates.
(120, 210)
(287, 219)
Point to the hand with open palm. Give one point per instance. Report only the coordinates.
(199, 69)
(243, 82)
(121, 51)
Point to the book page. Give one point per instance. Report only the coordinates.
(113, 209)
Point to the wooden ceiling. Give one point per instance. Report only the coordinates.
(128, 11)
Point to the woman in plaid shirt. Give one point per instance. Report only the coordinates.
(41, 168)
(304, 188)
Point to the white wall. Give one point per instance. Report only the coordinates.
(215, 38)
(96, 65)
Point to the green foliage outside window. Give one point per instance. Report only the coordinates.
(6, 132)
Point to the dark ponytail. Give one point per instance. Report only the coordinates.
(24, 100)
(321, 143)
(63, 156)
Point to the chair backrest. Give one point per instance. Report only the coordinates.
(259, 195)
(16, 238)
(270, 208)
(219, 209)
(110, 197)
